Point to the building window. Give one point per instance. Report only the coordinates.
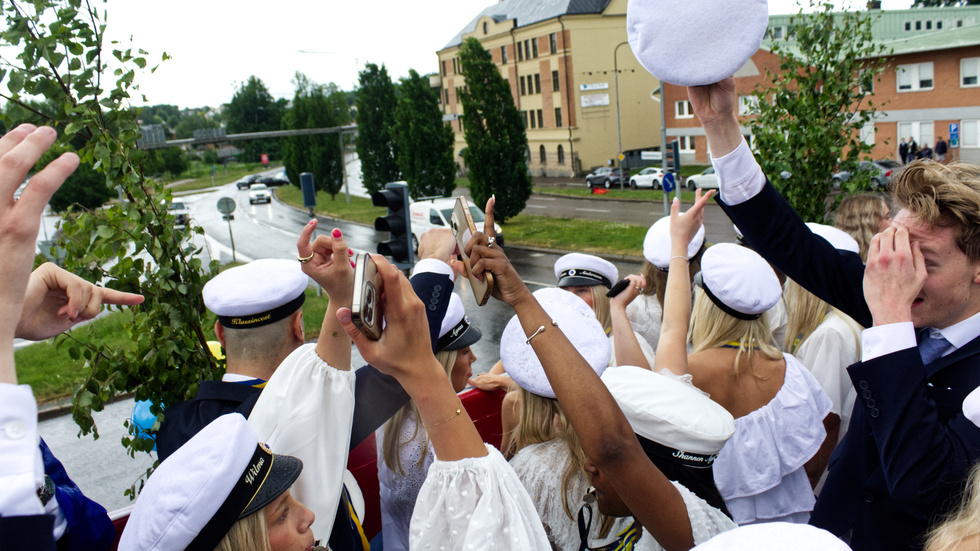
(537, 83)
(921, 132)
(682, 110)
(969, 71)
(918, 25)
(534, 46)
(443, 67)
(555, 82)
(503, 54)
(524, 116)
(908, 25)
(867, 134)
(527, 49)
(553, 42)
(557, 117)
(543, 155)
(485, 28)
(534, 122)
(748, 105)
(685, 143)
(540, 118)
(866, 81)
(523, 87)
(776, 32)
(520, 52)
(969, 133)
(939, 25)
(447, 95)
(917, 76)
(929, 25)
(561, 155)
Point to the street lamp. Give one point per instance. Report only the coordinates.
(619, 132)
(663, 139)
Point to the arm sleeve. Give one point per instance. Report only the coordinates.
(885, 339)
(305, 411)
(740, 177)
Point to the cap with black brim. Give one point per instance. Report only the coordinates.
(460, 336)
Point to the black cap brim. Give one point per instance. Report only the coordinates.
(471, 336)
(575, 281)
(285, 471)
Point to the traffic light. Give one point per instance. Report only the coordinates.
(399, 245)
(674, 157)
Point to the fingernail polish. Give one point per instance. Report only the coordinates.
(336, 232)
(350, 252)
(352, 265)
(311, 222)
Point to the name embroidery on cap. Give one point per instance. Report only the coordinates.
(249, 321)
(254, 470)
(705, 459)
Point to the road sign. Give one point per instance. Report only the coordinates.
(954, 134)
(622, 157)
(650, 155)
(226, 205)
(668, 182)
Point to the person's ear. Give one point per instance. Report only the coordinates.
(296, 326)
(219, 333)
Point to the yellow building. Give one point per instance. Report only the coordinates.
(561, 59)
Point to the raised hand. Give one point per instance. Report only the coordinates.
(440, 244)
(633, 290)
(893, 276)
(508, 285)
(684, 225)
(713, 102)
(330, 265)
(57, 299)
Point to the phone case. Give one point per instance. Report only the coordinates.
(367, 310)
(463, 229)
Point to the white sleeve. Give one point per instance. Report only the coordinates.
(740, 177)
(431, 265)
(884, 339)
(823, 354)
(306, 411)
(21, 471)
(706, 521)
(476, 503)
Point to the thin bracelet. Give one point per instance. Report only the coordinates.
(684, 258)
(539, 331)
(459, 411)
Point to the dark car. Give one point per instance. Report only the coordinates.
(247, 181)
(273, 181)
(606, 177)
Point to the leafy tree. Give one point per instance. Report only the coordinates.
(174, 161)
(376, 145)
(132, 245)
(316, 106)
(85, 188)
(209, 156)
(425, 143)
(191, 122)
(253, 109)
(811, 112)
(496, 144)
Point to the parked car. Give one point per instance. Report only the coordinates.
(247, 181)
(605, 176)
(880, 180)
(259, 193)
(706, 180)
(180, 212)
(436, 213)
(648, 177)
(274, 180)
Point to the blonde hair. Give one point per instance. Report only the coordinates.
(392, 444)
(806, 313)
(962, 526)
(600, 305)
(248, 534)
(713, 328)
(860, 216)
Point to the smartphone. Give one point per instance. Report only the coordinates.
(619, 287)
(464, 228)
(367, 310)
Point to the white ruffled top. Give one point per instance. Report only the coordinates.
(646, 317)
(759, 472)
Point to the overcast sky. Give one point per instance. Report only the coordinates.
(217, 45)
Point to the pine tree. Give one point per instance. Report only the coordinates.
(496, 144)
(376, 145)
(316, 106)
(425, 143)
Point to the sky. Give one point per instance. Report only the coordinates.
(216, 45)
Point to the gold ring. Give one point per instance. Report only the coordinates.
(304, 260)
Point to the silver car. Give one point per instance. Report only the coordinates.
(886, 168)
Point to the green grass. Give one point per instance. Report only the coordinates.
(359, 210)
(644, 194)
(591, 236)
(463, 182)
(202, 174)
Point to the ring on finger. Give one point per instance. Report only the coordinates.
(491, 242)
(304, 259)
(639, 289)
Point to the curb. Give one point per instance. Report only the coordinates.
(62, 406)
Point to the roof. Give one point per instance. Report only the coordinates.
(529, 12)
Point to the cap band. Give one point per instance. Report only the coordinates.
(237, 501)
(453, 334)
(263, 318)
(687, 459)
(699, 281)
(587, 274)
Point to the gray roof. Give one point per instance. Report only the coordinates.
(528, 12)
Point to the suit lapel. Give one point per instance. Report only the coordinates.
(971, 349)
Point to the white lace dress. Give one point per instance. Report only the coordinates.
(398, 493)
(760, 471)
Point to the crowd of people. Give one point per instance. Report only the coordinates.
(810, 387)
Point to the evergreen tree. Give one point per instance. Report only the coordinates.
(376, 146)
(425, 143)
(316, 106)
(85, 187)
(496, 145)
(253, 109)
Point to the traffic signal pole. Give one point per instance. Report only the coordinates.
(397, 223)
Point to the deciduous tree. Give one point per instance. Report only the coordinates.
(425, 143)
(253, 109)
(376, 145)
(316, 106)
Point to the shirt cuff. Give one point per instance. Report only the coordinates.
(740, 177)
(431, 265)
(21, 471)
(886, 339)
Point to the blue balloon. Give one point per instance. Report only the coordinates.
(144, 420)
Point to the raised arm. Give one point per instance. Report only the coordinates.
(331, 268)
(627, 348)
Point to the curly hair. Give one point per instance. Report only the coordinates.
(945, 196)
(861, 216)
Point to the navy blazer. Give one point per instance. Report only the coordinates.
(28, 533)
(908, 447)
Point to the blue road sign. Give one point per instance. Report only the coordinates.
(668, 182)
(954, 134)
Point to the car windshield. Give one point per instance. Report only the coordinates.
(888, 163)
(476, 213)
(177, 205)
(259, 187)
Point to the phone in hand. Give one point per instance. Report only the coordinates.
(619, 287)
(367, 310)
(464, 228)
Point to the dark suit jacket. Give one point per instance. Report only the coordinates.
(31, 533)
(908, 446)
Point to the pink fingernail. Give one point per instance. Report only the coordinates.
(350, 252)
(336, 232)
(352, 265)
(311, 222)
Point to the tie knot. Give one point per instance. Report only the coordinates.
(932, 344)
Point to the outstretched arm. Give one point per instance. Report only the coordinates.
(331, 268)
(627, 348)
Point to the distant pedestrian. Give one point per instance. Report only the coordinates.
(925, 152)
(941, 149)
(913, 149)
(903, 151)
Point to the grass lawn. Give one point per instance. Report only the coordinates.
(587, 236)
(644, 194)
(235, 172)
(359, 210)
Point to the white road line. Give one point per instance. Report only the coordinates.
(593, 210)
(223, 250)
(537, 207)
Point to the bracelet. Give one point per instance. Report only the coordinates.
(459, 411)
(684, 258)
(539, 331)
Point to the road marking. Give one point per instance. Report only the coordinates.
(593, 210)
(222, 249)
(529, 282)
(537, 207)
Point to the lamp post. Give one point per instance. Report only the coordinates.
(663, 140)
(619, 132)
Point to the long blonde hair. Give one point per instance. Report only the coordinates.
(248, 534)
(600, 305)
(713, 328)
(861, 216)
(393, 427)
(963, 524)
(806, 313)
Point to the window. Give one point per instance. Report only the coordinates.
(685, 143)
(682, 110)
(557, 117)
(866, 81)
(523, 87)
(524, 116)
(447, 96)
(867, 133)
(543, 155)
(534, 122)
(537, 83)
(918, 25)
(503, 54)
(917, 76)
(776, 32)
(435, 219)
(969, 133)
(553, 42)
(443, 67)
(555, 82)
(908, 25)
(527, 49)
(939, 25)
(748, 105)
(561, 155)
(534, 46)
(485, 29)
(929, 25)
(520, 52)
(921, 132)
(969, 71)
(540, 118)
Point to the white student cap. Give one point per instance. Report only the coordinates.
(839, 238)
(738, 281)
(575, 319)
(196, 495)
(585, 269)
(671, 413)
(971, 406)
(256, 294)
(456, 331)
(656, 245)
(695, 43)
(774, 536)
